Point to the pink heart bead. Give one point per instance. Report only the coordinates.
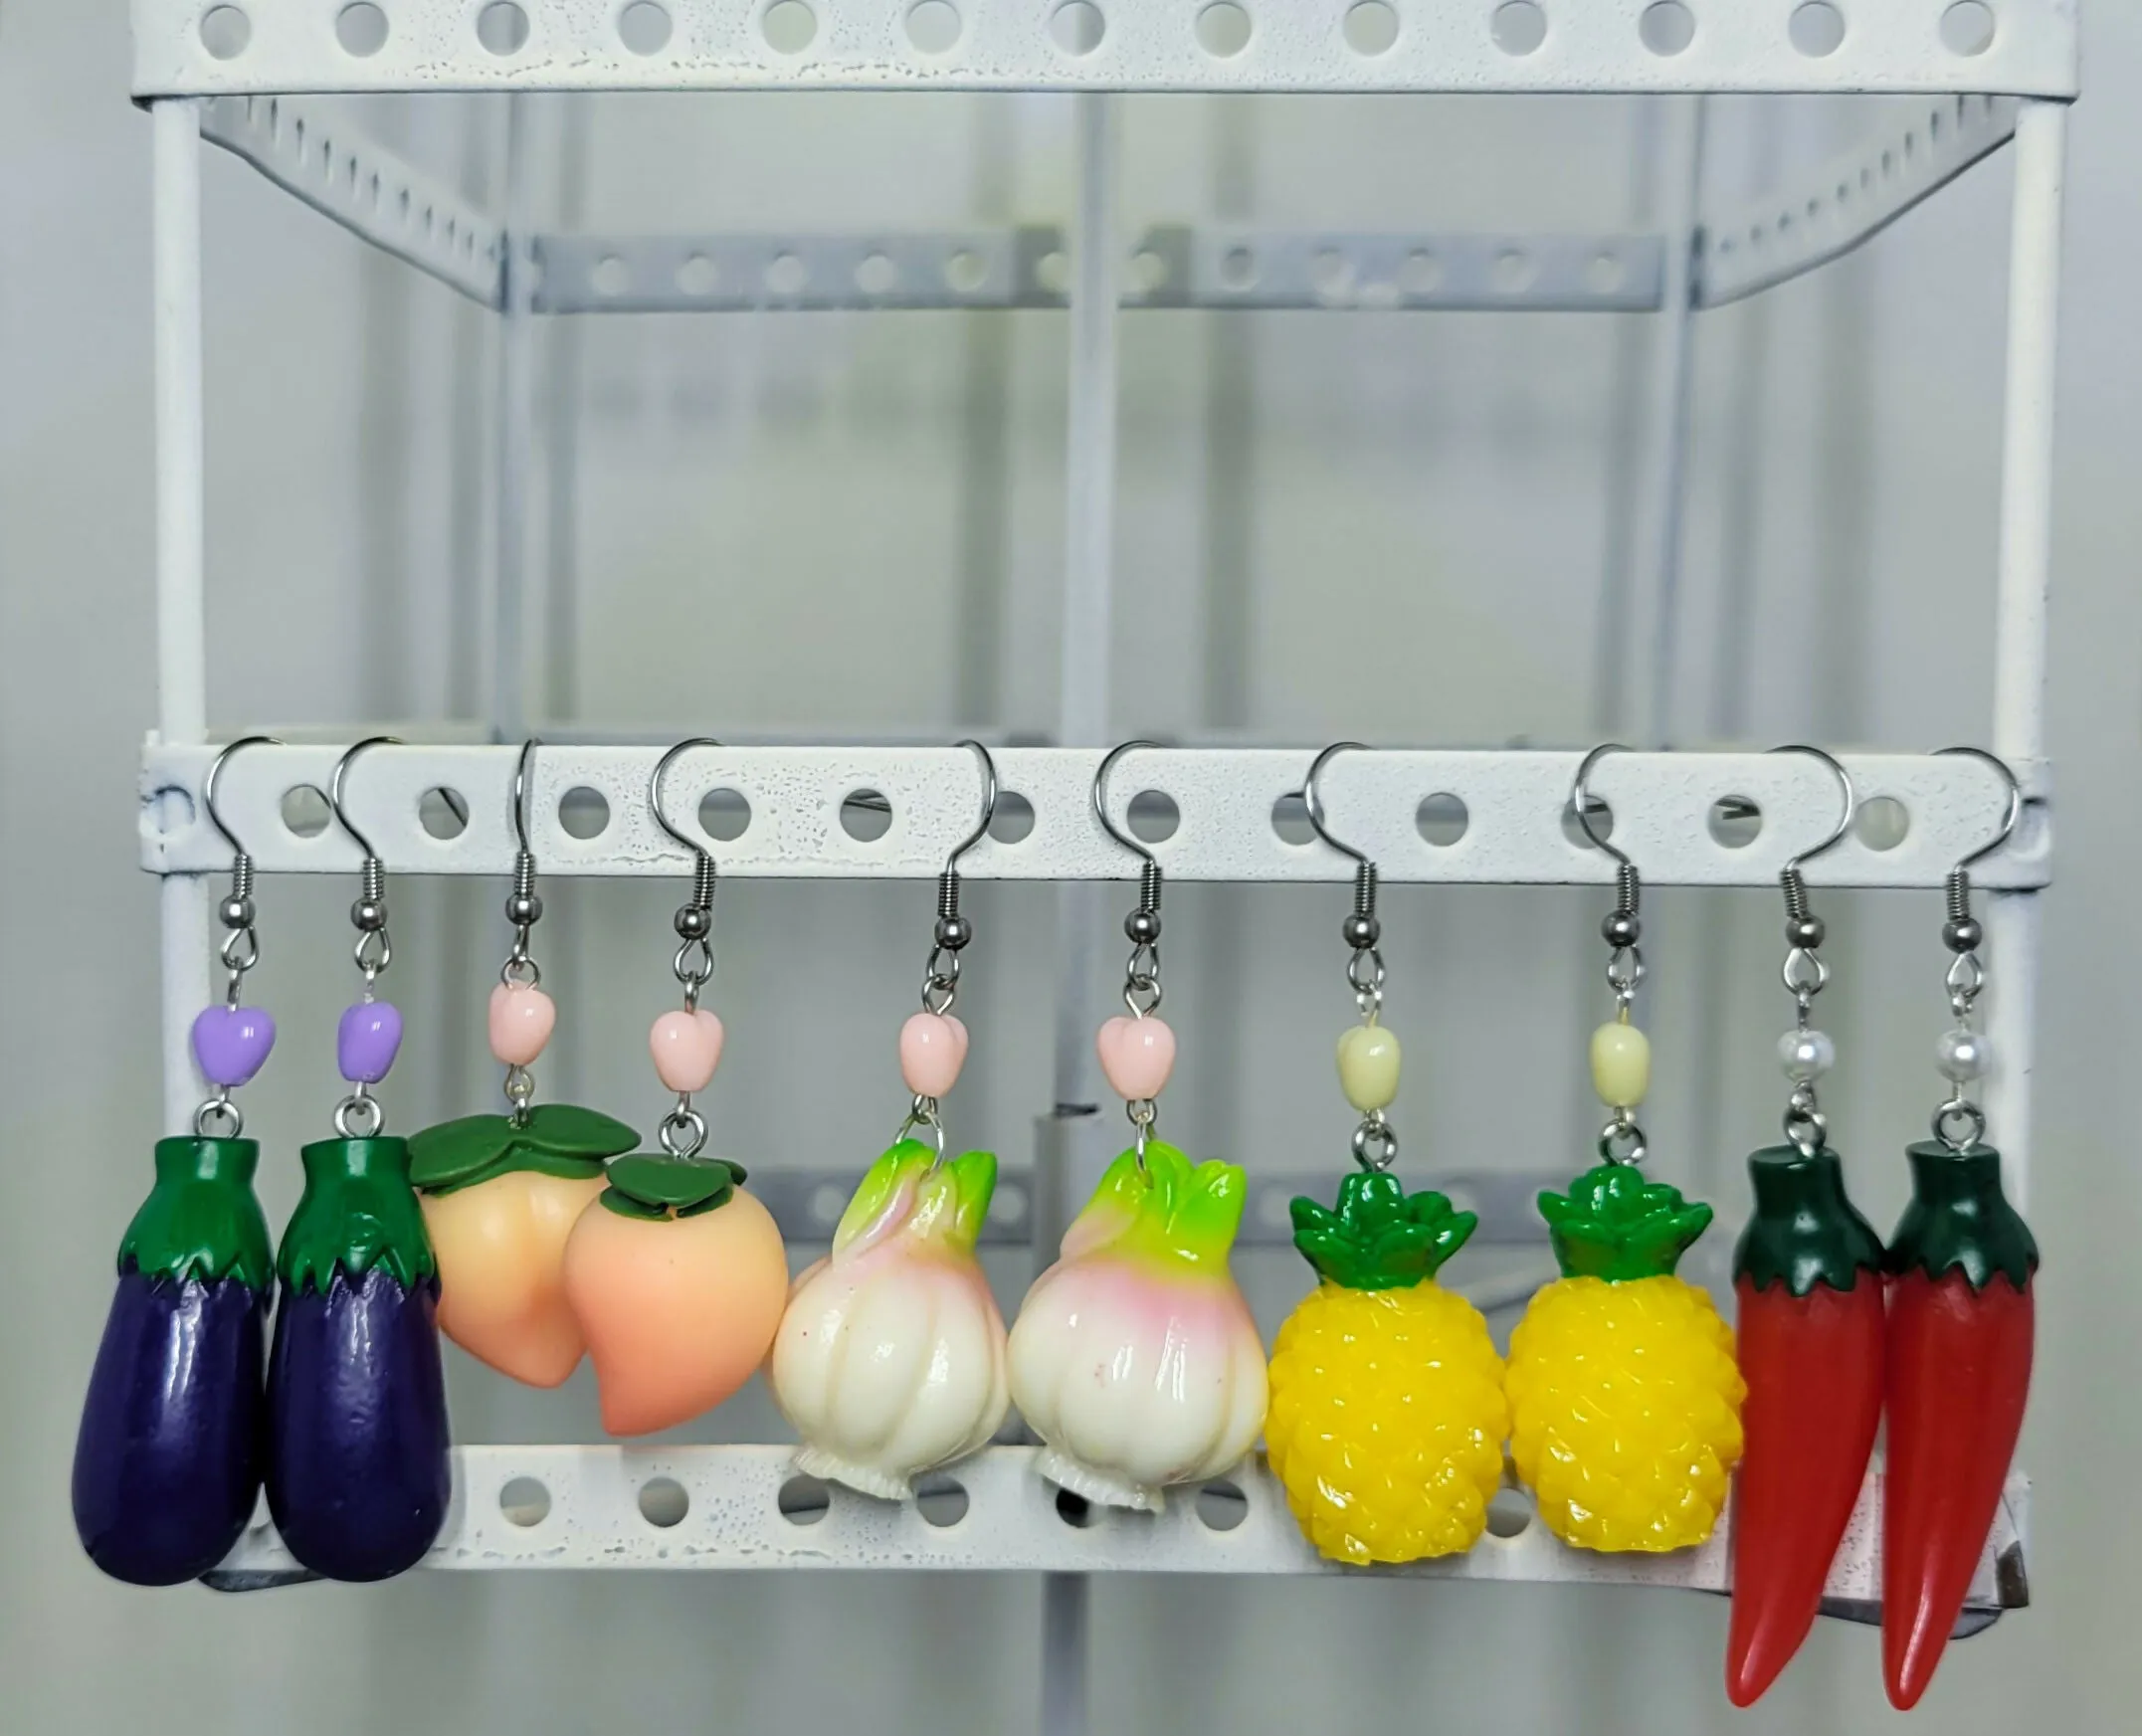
(687, 1047)
(523, 1017)
(1136, 1054)
(934, 1047)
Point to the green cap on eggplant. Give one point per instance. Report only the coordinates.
(357, 1211)
(201, 1220)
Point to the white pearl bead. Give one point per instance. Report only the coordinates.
(1962, 1054)
(1806, 1055)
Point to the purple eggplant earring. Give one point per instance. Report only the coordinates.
(167, 1461)
(357, 1477)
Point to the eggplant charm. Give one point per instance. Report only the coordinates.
(167, 1463)
(357, 1476)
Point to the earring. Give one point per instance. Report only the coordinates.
(890, 1358)
(167, 1462)
(1134, 1357)
(1624, 1404)
(676, 1274)
(357, 1476)
(1960, 1329)
(1386, 1418)
(501, 1193)
(1807, 1274)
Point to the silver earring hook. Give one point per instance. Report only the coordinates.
(334, 789)
(989, 807)
(694, 919)
(523, 909)
(653, 794)
(940, 976)
(2009, 820)
(1375, 1144)
(1101, 801)
(1808, 1052)
(1315, 802)
(1852, 805)
(1580, 797)
(239, 853)
(374, 951)
(520, 794)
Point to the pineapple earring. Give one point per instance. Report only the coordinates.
(501, 1193)
(890, 1358)
(167, 1460)
(676, 1276)
(1807, 1275)
(1624, 1402)
(1134, 1357)
(358, 1475)
(1961, 1322)
(1387, 1416)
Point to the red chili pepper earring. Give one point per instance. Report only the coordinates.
(1960, 1330)
(1807, 1275)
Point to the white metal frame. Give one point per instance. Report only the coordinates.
(2018, 84)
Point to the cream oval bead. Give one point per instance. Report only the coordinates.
(1368, 1067)
(1621, 1064)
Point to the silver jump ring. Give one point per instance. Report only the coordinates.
(373, 952)
(1807, 1128)
(521, 972)
(219, 1108)
(1622, 1141)
(699, 974)
(1805, 971)
(922, 1112)
(1375, 1143)
(1966, 1112)
(359, 1117)
(682, 1131)
(1625, 971)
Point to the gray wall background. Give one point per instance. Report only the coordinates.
(1393, 527)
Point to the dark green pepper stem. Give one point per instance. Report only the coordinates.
(1805, 1230)
(358, 1211)
(201, 1218)
(1959, 1218)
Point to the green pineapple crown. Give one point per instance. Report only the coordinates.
(1380, 1238)
(1615, 1224)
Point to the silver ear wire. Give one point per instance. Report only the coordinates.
(1621, 1140)
(374, 951)
(1375, 1144)
(1803, 1052)
(1142, 971)
(241, 949)
(1963, 1055)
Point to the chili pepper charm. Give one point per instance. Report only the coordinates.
(1959, 1371)
(1808, 1274)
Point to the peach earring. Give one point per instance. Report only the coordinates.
(890, 1359)
(676, 1274)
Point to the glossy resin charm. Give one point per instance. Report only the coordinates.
(1808, 1277)
(500, 1196)
(1961, 1267)
(167, 1462)
(677, 1277)
(357, 1473)
(1625, 1400)
(1386, 1417)
(890, 1358)
(1134, 1357)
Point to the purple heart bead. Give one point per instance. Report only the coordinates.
(231, 1043)
(367, 1041)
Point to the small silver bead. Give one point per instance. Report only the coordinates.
(694, 921)
(1806, 933)
(1361, 932)
(1620, 928)
(1962, 936)
(1144, 926)
(370, 914)
(1962, 1056)
(1806, 1055)
(235, 912)
(953, 932)
(524, 909)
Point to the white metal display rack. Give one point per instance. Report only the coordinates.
(240, 72)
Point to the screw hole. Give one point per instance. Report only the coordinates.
(1441, 819)
(1509, 1514)
(787, 274)
(225, 32)
(361, 28)
(1237, 269)
(966, 271)
(662, 1502)
(1735, 821)
(1153, 816)
(1881, 823)
(611, 275)
(805, 1500)
(933, 26)
(1014, 818)
(1221, 1506)
(827, 1204)
(306, 813)
(789, 27)
(1967, 28)
(1223, 30)
(502, 27)
(1597, 811)
(1667, 27)
(1815, 29)
(583, 813)
(1008, 1204)
(865, 816)
(1370, 27)
(699, 276)
(524, 1502)
(724, 815)
(1076, 1511)
(1076, 27)
(1421, 274)
(875, 275)
(940, 1499)
(644, 28)
(443, 813)
(1291, 819)
(1518, 27)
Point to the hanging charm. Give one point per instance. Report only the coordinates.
(357, 1436)
(167, 1461)
(1134, 1357)
(891, 1357)
(1387, 1416)
(1807, 1274)
(502, 1193)
(1625, 1401)
(676, 1274)
(1961, 1326)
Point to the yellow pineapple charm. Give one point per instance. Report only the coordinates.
(1387, 1411)
(1624, 1398)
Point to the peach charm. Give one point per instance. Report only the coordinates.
(934, 1047)
(523, 1017)
(1136, 1054)
(687, 1047)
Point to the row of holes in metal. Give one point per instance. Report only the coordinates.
(1734, 822)
(1223, 27)
(941, 1498)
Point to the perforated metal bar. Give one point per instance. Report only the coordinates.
(331, 164)
(181, 46)
(1513, 803)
